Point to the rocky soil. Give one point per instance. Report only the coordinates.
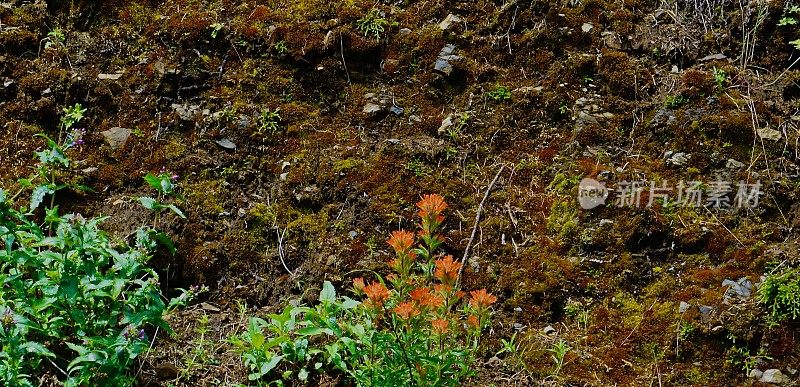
(451, 92)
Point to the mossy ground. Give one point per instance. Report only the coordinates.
(333, 181)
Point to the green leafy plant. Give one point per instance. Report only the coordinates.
(54, 163)
(268, 121)
(675, 101)
(780, 294)
(720, 77)
(500, 93)
(373, 23)
(54, 37)
(73, 299)
(416, 331)
(559, 351)
(215, 29)
(790, 18)
(165, 185)
(280, 47)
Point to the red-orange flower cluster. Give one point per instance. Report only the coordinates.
(401, 241)
(481, 299)
(440, 326)
(406, 310)
(423, 297)
(430, 210)
(376, 293)
(431, 206)
(447, 270)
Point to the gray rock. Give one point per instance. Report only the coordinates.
(226, 144)
(773, 376)
(372, 108)
(733, 164)
(740, 289)
(769, 134)
(587, 27)
(447, 122)
(705, 310)
(713, 57)
(112, 77)
(448, 22)
(393, 141)
(443, 63)
(584, 118)
(405, 31)
(244, 122)
(186, 112)
(396, 110)
(549, 330)
(663, 116)
(679, 159)
(683, 307)
(116, 137)
(755, 373)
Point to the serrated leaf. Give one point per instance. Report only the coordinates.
(148, 202)
(153, 181)
(38, 195)
(34, 347)
(176, 210)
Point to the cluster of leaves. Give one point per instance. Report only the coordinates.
(791, 17)
(373, 23)
(73, 301)
(780, 294)
(72, 297)
(500, 93)
(268, 121)
(418, 330)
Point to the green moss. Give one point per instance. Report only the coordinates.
(563, 219)
(347, 164)
(204, 197)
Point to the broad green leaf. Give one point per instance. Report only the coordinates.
(38, 195)
(165, 241)
(34, 347)
(148, 203)
(313, 331)
(153, 181)
(328, 293)
(176, 210)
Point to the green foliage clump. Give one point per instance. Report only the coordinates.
(780, 294)
(791, 17)
(73, 302)
(415, 331)
(268, 121)
(373, 23)
(500, 93)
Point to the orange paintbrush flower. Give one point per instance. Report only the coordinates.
(376, 293)
(473, 321)
(401, 241)
(481, 299)
(440, 326)
(423, 297)
(447, 270)
(431, 205)
(406, 310)
(358, 285)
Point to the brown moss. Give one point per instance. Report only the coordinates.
(696, 83)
